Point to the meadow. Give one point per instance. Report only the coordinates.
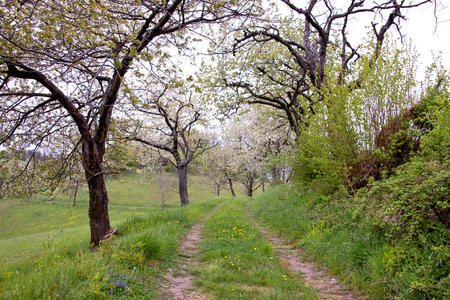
(44, 242)
(29, 225)
(44, 246)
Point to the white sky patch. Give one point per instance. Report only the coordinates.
(430, 31)
(427, 27)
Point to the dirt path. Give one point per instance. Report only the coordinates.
(178, 279)
(326, 285)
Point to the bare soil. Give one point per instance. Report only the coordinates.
(179, 280)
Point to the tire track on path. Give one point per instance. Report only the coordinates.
(326, 285)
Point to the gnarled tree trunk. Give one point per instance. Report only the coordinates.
(92, 155)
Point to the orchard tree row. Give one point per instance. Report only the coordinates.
(87, 86)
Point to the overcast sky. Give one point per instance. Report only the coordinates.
(429, 32)
(428, 26)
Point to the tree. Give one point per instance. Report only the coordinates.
(274, 141)
(175, 114)
(218, 165)
(63, 64)
(246, 156)
(152, 164)
(283, 62)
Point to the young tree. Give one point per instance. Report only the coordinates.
(274, 141)
(154, 165)
(63, 63)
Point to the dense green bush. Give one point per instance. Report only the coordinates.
(414, 201)
(411, 207)
(355, 133)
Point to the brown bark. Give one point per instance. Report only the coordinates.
(92, 156)
(250, 188)
(276, 175)
(231, 187)
(182, 184)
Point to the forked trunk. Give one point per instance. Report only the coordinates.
(231, 187)
(98, 197)
(182, 184)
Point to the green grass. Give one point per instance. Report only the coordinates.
(37, 228)
(237, 263)
(352, 247)
(27, 223)
(131, 189)
(128, 266)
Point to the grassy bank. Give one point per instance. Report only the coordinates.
(237, 263)
(353, 247)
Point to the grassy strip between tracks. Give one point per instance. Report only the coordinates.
(237, 263)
